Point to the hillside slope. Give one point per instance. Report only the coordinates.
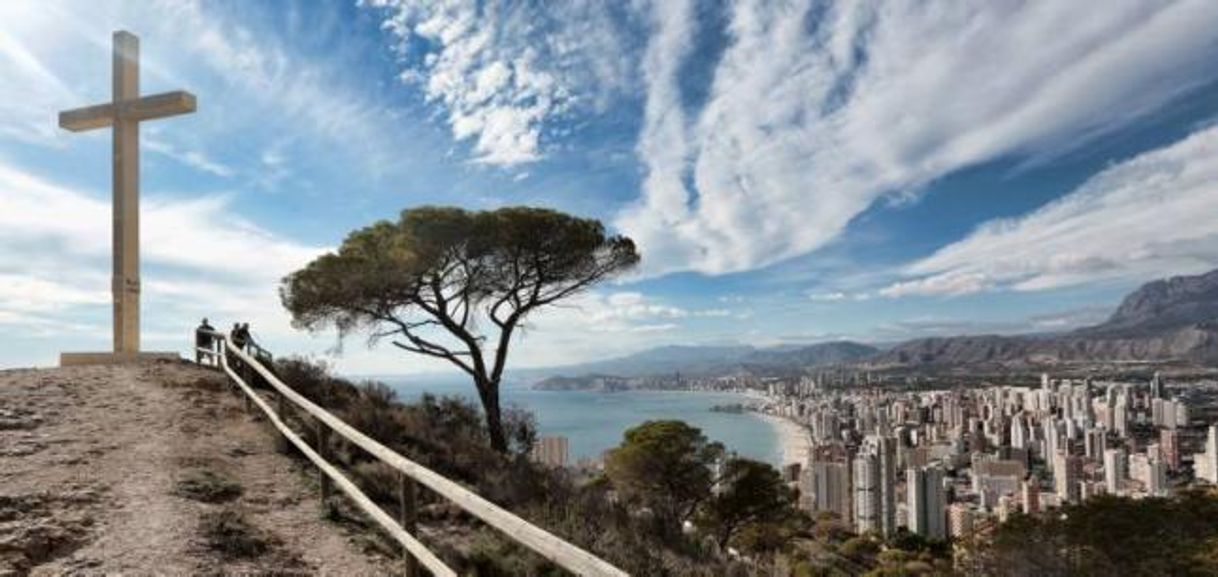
(152, 469)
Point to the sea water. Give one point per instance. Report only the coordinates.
(594, 421)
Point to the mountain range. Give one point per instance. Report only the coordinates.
(704, 360)
(1173, 319)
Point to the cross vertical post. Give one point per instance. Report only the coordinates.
(126, 174)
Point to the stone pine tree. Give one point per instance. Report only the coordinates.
(752, 496)
(664, 467)
(455, 284)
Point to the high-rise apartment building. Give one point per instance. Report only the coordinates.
(831, 488)
(1029, 494)
(1095, 443)
(867, 501)
(1169, 448)
(551, 451)
(1115, 470)
(1206, 464)
(875, 482)
(960, 519)
(926, 502)
(1067, 471)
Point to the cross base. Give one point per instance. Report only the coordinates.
(80, 359)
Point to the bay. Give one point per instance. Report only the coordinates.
(594, 421)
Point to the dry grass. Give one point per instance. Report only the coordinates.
(208, 486)
(228, 533)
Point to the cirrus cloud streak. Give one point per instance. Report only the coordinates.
(1148, 217)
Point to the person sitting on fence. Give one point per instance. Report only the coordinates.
(238, 337)
(204, 339)
(246, 338)
(235, 341)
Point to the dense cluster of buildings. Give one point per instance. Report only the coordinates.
(943, 462)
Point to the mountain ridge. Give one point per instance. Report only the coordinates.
(702, 360)
(1172, 319)
(1162, 320)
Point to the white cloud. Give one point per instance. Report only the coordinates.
(828, 297)
(663, 143)
(38, 295)
(1148, 217)
(200, 234)
(803, 130)
(199, 260)
(503, 73)
(1064, 320)
(56, 56)
(947, 284)
(191, 158)
(634, 306)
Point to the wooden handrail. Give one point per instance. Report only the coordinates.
(553, 548)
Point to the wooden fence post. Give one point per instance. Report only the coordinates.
(323, 451)
(408, 517)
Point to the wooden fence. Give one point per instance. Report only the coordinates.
(558, 551)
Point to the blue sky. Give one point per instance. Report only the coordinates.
(792, 171)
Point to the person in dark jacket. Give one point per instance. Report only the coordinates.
(204, 339)
(235, 341)
(239, 336)
(247, 339)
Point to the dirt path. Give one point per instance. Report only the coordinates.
(153, 469)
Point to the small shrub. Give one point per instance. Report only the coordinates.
(208, 486)
(378, 480)
(213, 383)
(227, 532)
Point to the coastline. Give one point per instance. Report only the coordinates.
(794, 442)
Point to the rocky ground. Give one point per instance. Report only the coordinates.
(155, 469)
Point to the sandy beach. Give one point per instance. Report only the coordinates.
(793, 438)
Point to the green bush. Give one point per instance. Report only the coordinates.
(1106, 535)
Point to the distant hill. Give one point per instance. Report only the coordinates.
(1171, 319)
(830, 353)
(1163, 305)
(704, 360)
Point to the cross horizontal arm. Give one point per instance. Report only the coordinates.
(87, 118)
(160, 106)
(146, 108)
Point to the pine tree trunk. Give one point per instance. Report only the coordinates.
(489, 393)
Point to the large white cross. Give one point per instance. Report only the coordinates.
(124, 114)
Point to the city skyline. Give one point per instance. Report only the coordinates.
(943, 462)
(888, 193)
